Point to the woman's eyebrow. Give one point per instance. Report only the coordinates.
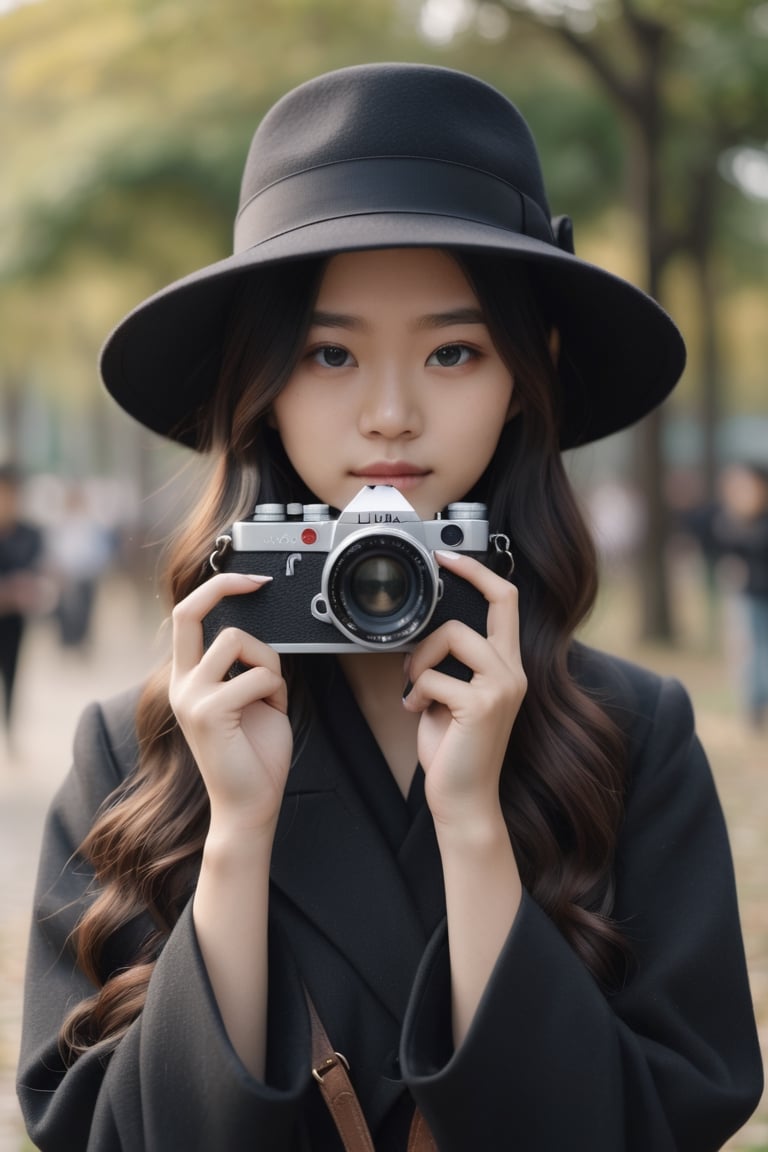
(454, 316)
(335, 320)
(468, 315)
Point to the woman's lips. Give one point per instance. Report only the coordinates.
(399, 474)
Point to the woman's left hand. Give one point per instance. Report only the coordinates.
(465, 727)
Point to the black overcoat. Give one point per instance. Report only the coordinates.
(669, 1062)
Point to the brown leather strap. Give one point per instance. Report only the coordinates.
(420, 1138)
(331, 1071)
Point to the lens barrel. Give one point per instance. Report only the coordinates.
(380, 587)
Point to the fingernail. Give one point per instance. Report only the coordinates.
(407, 689)
(257, 579)
(441, 555)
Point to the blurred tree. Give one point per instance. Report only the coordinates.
(123, 134)
(148, 94)
(125, 126)
(689, 80)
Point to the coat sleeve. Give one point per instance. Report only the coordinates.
(173, 1081)
(671, 1061)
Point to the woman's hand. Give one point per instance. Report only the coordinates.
(240, 736)
(237, 729)
(463, 733)
(465, 727)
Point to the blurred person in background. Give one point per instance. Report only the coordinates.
(21, 587)
(78, 552)
(739, 529)
(617, 518)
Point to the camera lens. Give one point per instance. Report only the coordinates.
(379, 585)
(380, 588)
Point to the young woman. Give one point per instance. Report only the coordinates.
(506, 895)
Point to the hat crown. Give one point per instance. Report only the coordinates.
(389, 110)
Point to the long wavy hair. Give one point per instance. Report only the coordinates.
(563, 781)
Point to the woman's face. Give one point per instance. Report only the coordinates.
(399, 382)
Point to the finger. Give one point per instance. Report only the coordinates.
(452, 638)
(503, 624)
(433, 687)
(188, 614)
(471, 649)
(495, 689)
(231, 646)
(258, 684)
(234, 696)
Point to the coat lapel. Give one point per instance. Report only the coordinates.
(332, 860)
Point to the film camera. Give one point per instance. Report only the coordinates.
(366, 580)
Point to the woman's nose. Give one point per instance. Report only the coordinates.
(389, 406)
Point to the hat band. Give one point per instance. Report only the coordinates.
(387, 184)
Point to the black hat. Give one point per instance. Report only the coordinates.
(398, 155)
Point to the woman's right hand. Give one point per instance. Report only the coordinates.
(237, 729)
(240, 735)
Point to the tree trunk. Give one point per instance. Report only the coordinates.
(710, 411)
(700, 246)
(656, 619)
(639, 97)
(11, 405)
(653, 563)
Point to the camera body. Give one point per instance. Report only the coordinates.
(366, 580)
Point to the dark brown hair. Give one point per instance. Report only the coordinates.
(563, 780)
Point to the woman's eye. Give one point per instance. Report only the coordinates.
(450, 356)
(331, 356)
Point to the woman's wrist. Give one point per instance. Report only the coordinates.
(472, 827)
(479, 864)
(230, 913)
(478, 858)
(233, 842)
(483, 892)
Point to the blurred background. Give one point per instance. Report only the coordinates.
(123, 130)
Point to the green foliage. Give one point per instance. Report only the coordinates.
(133, 94)
(125, 126)
(713, 61)
(124, 131)
(582, 148)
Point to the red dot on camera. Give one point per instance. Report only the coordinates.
(308, 536)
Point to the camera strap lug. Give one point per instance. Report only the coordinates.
(223, 544)
(502, 546)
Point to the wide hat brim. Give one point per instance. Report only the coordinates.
(621, 354)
